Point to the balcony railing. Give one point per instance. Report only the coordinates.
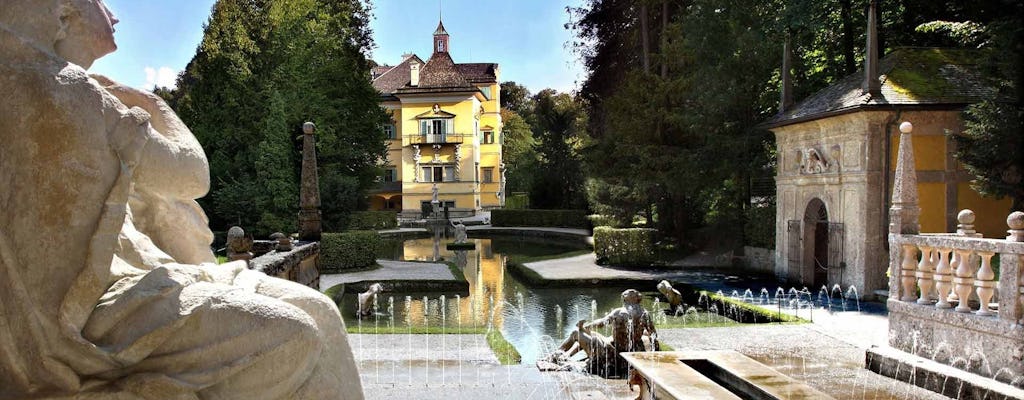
(955, 272)
(438, 138)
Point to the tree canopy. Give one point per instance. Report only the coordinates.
(262, 69)
(676, 90)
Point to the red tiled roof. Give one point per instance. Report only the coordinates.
(439, 74)
(479, 72)
(398, 76)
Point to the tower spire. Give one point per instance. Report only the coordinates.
(440, 39)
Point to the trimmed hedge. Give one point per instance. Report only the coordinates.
(628, 247)
(349, 250)
(372, 220)
(550, 218)
(517, 201)
(597, 220)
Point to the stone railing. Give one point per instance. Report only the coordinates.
(955, 271)
(279, 257)
(299, 264)
(942, 286)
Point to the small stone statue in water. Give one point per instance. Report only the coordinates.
(460, 233)
(675, 299)
(366, 300)
(632, 330)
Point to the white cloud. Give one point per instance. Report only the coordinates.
(162, 77)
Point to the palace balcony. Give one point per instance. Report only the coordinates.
(438, 138)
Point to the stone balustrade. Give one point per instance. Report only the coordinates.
(956, 271)
(961, 292)
(942, 286)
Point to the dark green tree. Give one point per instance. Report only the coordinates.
(558, 128)
(991, 147)
(519, 152)
(263, 68)
(516, 98)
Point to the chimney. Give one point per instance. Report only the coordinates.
(786, 99)
(872, 86)
(406, 56)
(414, 73)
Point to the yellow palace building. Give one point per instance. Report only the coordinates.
(445, 130)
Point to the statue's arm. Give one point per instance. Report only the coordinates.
(171, 144)
(601, 322)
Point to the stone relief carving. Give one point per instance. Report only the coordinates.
(813, 162)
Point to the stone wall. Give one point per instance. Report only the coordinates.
(845, 162)
(759, 259)
(300, 264)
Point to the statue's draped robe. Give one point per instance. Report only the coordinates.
(89, 299)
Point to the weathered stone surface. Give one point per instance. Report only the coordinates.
(107, 286)
(977, 344)
(854, 191)
(298, 264)
(239, 247)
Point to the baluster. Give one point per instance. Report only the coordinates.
(924, 275)
(954, 264)
(943, 278)
(986, 282)
(907, 270)
(964, 280)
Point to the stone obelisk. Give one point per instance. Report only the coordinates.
(310, 228)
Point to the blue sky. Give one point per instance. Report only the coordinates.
(157, 38)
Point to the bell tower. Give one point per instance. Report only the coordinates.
(440, 39)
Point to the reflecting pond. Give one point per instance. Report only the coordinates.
(532, 319)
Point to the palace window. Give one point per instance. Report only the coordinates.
(389, 131)
(488, 174)
(441, 203)
(441, 173)
(390, 175)
(488, 137)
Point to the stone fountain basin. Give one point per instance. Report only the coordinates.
(717, 374)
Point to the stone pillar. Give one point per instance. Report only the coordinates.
(904, 213)
(309, 196)
(872, 85)
(1011, 307)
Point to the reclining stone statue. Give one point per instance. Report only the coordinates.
(632, 330)
(108, 287)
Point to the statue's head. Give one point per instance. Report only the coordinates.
(79, 31)
(664, 287)
(376, 288)
(87, 31)
(631, 296)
